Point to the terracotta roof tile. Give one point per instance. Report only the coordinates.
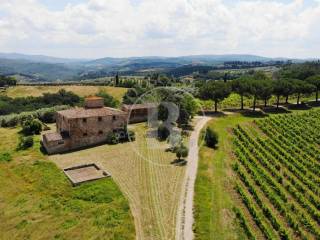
(90, 112)
(52, 137)
(139, 106)
(93, 98)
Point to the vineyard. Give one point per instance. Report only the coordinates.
(278, 176)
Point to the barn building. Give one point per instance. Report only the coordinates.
(82, 127)
(139, 112)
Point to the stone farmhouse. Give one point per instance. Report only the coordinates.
(139, 112)
(82, 127)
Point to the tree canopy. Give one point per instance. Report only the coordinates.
(7, 81)
(216, 91)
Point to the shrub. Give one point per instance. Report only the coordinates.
(163, 132)
(25, 143)
(109, 101)
(20, 104)
(181, 151)
(31, 127)
(46, 115)
(131, 135)
(112, 138)
(5, 157)
(211, 138)
(174, 140)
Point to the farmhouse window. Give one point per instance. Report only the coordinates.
(61, 142)
(99, 119)
(85, 134)
(100, 132)
(114, 118)
(84, 120)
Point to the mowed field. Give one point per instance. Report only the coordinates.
(82, 91)
(144, 171)
(264, 177)
(38, 202)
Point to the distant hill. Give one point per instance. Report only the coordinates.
(39, 58)
(46, 68)
(195, 59)
(38, 71)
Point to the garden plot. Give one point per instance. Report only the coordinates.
(85, 173)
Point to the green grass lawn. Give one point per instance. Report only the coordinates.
(214, 218)
(38, 202)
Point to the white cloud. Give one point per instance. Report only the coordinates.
(168, 27)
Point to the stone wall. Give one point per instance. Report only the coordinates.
(92, 130)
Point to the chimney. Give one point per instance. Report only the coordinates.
(93, 102)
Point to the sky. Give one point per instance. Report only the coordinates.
(123, 28)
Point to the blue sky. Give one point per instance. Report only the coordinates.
(118, 28)
(57, 5)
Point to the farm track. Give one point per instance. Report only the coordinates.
(185, 217)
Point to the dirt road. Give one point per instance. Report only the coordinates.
(185, 211)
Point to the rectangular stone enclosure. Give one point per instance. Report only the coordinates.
(84, 173)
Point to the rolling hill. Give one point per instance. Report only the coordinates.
(37, 68)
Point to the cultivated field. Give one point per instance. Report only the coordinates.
(262, 182)
(38, 202)
(82, 91)
(278, 175)
(146, 174)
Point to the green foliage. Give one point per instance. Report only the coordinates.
(188, 107)
(282, 87)
(174, 140)
(244, 224)
(315, 81)
(5, 157)
(131, 136)
(216, 91)
(300, 71)
(181, 151)
(283, 166)
(17, 105)
(31, 127)
(112, 138)
(25, 143)
(163, 132)
(163, 113)
(302, 87)
(211, 138)
(46, 115)
(109, 101)
(7, 81)
(241, 86)
(116, 79)
(133, 94)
